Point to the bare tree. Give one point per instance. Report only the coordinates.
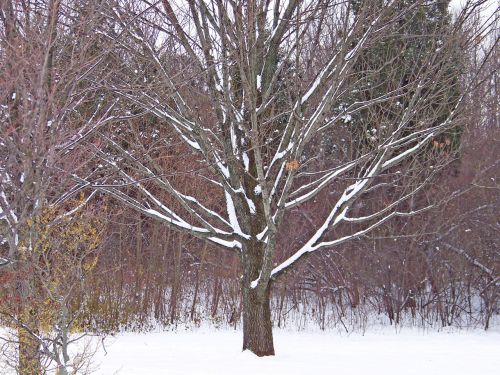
(47, 106)
(250, 88)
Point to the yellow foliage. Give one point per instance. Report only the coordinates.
(64, 254)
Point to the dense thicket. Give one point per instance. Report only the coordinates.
(437, 268)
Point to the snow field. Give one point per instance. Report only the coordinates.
(385, 351)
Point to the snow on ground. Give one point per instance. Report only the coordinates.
(381, 351)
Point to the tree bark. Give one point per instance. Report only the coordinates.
(27, 316)
(257, 325)
(29, 357)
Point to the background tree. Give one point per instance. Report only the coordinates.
(393, 61)
(46, 107)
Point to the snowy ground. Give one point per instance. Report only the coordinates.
(380, 351)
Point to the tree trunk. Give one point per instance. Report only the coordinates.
(257, 325)
(176, 282)
(28, 317)
(29, 357)
(197, 283)
(29, 361)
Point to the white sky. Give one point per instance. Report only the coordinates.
(489, 8)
